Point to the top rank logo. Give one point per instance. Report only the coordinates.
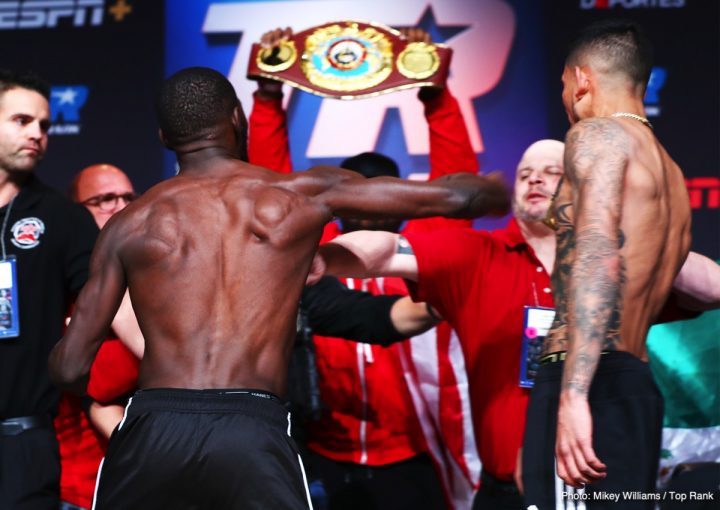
(631, 4)
(34, 14)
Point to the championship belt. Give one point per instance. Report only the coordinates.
(351, 60)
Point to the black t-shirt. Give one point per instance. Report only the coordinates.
(52, 239)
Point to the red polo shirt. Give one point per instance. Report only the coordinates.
(480, 282)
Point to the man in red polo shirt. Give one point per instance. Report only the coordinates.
(481, 283)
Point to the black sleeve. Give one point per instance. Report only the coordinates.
(82, 234)
(334, 310)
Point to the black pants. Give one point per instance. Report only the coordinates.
(411, 484)
(202, 449)
(30, 470)
(627, 412)
(495, 494)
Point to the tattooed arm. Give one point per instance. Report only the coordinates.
(595, 163)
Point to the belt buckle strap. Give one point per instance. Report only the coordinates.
(553, 357)
(559, 356)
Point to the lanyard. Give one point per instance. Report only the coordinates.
(4, 226)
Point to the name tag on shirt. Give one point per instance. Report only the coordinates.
(536, 324)
(9, 315)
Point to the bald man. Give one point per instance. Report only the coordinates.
(481, 282)
(104, 189)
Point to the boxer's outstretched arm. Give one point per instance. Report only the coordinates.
(95, 308)
(348, 194)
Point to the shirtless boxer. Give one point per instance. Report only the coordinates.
(623, 231)
(215, 260)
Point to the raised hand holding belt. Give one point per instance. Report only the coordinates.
(351, 60)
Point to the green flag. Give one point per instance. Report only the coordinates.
(685, 360)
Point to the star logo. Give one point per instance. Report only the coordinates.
(438, 33)
(66, 96)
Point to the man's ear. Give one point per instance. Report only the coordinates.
(582, 78)
(236, 116)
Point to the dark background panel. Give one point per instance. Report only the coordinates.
(686, 39)
(121, 63)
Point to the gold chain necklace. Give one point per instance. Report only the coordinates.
(633, 116)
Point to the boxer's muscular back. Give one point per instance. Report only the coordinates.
(654, 229)
(215, 265)
(656, 225)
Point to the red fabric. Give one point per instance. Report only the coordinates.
(112, 375)
(268, 139)
(450, 152)
(390, 427)
(114, 372)
(385, 409)
(81, 450)
(479, 282)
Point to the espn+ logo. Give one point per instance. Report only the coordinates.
(32, 14)
(631, 4)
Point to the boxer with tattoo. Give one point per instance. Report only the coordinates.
(623, 232)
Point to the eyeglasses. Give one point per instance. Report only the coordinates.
(109, 201)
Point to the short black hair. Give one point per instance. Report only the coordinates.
(622, 44)
(194, 101)
(23, 80)
(371, 164)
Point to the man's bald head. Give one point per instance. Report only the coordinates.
(536, 179)
(104, 189)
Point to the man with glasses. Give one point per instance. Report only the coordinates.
(84, 426)
(104, 190)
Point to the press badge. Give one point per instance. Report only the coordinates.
(9, 316)
(536, 324)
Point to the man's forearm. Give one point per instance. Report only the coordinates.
(127, 328)
(485, 195)
(361, 254)
(410, 318)
(698, 283)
